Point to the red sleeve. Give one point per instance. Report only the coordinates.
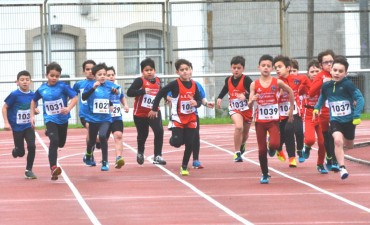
(316, 85)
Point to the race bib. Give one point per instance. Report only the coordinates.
(340, 108)
(268, 112)
(23, 116)
(101, 106)
(186, 108)
(148, 101)
(116, 110)
(284, 108)
(53, 107)
(237, 104)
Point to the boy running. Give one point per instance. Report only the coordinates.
(55, 95)
(265, 92)
(341, 94)
(16, 114)
(237, 86)
(116, 126)
(98, 95)
(145, 89)
(185, 97)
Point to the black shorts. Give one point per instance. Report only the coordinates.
(83, 121)
(117, 125)
(347, 129)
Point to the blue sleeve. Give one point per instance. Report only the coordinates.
(10, 100)
(121, 95)
(69, 91)
(201, 90)
(360, 102)
(37, 96)
(88, 87)
(76, 87)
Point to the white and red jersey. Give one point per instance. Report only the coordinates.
(294, 83)
(144, 103)
(267, 102)
(236, 104)
(309, 102)
(181, 110)
(316, 90)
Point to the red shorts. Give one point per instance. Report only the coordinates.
(187, 125)
(247, 115)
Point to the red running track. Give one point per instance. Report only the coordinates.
(223, 192)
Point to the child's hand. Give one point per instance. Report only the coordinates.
(126, 108)
(356, 121)
(326, 80)
(37, 111)
(114, 91)
(96, 84)
(152, 114)
(193, 103)
(64, 110)
(147, 90)
(210, 105)
(314, 114)
(219, 103)
(241, 96)
(7, 127)
(33, 122)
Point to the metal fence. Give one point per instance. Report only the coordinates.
(208, 33)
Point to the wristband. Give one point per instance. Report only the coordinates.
(205, 104)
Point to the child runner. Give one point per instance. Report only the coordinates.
(185, 97)
(116, 126)
(326, 59)
(79, 89)
(237, 86)
(16, 114)
(265, 92)
(288, 126)
(341, 94)
(313, 68)
(144, 89)
(98, 97)
(55, 95)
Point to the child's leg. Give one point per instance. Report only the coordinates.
(289, 139)
(31, 147)
(238, 121)
(309, 133)
(53, 134)
(118, 142)
(282, 133)
(320, 142)
(177, 138)
(246, 127)
(18, 150)
(298, 131)
(188, 137)
(103, 128)
(261, 133)
(93, 132)
(62, 131)
(338, 142)
(142, 128)
(196, 142)
(157, 128)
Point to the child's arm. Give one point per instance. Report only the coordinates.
(32, 113)
(88, 91)
(125, 105)
(252, 96)
(162, 93)
(135, 88)
(5, 116)
(66, 110)
(222, 94)
(319, 105)
(360, 102)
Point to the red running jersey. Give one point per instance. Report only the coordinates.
(144, 103)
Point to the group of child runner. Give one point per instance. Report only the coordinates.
(291, 107)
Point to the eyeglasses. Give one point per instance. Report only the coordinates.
(328, 62)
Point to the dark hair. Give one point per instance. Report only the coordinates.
(238, 60)
(341, 60)
(325, 53)
(294, 64)
(90, 61)
(311, 63)
(53, 66)
(98, 67)
(284, 59)
(111, 68)
(23, 73)
(147, 62)
(180, 62)
(266, 57)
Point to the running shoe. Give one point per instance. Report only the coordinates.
(55, 172)
(184, 171)
(306, 152)
(321, 169)
(265, 178)
(93, 163)
(242, 149)
(301, 159)
(335, 167)
(104, 166)
(29, 175)
(281, 155)
(119, 162)
(343, 173)
(328, 162)
(197, 165)
(140, 159)
(292, 162)
(238, 157)
(87, 159)
(270, 151)
(159, 160)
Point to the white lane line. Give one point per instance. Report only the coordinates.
(196, 190)
(77, 194)
(298, 180)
